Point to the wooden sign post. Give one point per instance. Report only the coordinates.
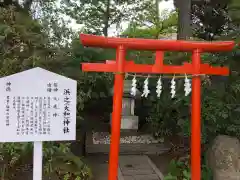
(121, 66)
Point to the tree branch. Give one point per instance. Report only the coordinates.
(27, 5)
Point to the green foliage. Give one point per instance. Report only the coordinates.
(217, 18)
(11, 156)
(61, 162)
(98, 15)
(54, 23)
(24, 45)
(166, 115)
(233, 9)
(58, 161)
(220, 103)
(152, 27)
(180, 170)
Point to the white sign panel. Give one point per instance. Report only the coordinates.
(37, 105)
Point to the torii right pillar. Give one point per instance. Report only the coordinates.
(196, 118)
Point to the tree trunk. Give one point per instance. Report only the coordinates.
(184, 19)
(158, 21)
(27, 5)
(106, 18)
(157, 2)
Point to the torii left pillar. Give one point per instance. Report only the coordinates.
(116, 114)
(121, 66)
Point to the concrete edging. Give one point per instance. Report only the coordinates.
(120, 176)
(158, 172)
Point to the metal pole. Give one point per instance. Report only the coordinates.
(196, 119)
(116, 115)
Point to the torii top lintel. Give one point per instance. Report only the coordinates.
(155, 45)
(159, 46)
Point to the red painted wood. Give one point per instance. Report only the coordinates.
(116, 115)
(207, 69)
(131, 67)
(155, 45)
(196, 119)
(99, 67)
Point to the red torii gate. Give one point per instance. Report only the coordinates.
(121, 66)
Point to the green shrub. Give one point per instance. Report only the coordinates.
(58, 161)
(180, 170)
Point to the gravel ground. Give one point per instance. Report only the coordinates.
(103, 138)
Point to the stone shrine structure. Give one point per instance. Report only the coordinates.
(129, 120)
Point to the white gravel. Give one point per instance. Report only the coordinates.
(103, 138)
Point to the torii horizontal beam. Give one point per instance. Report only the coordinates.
(154, 45)
(131, 67)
